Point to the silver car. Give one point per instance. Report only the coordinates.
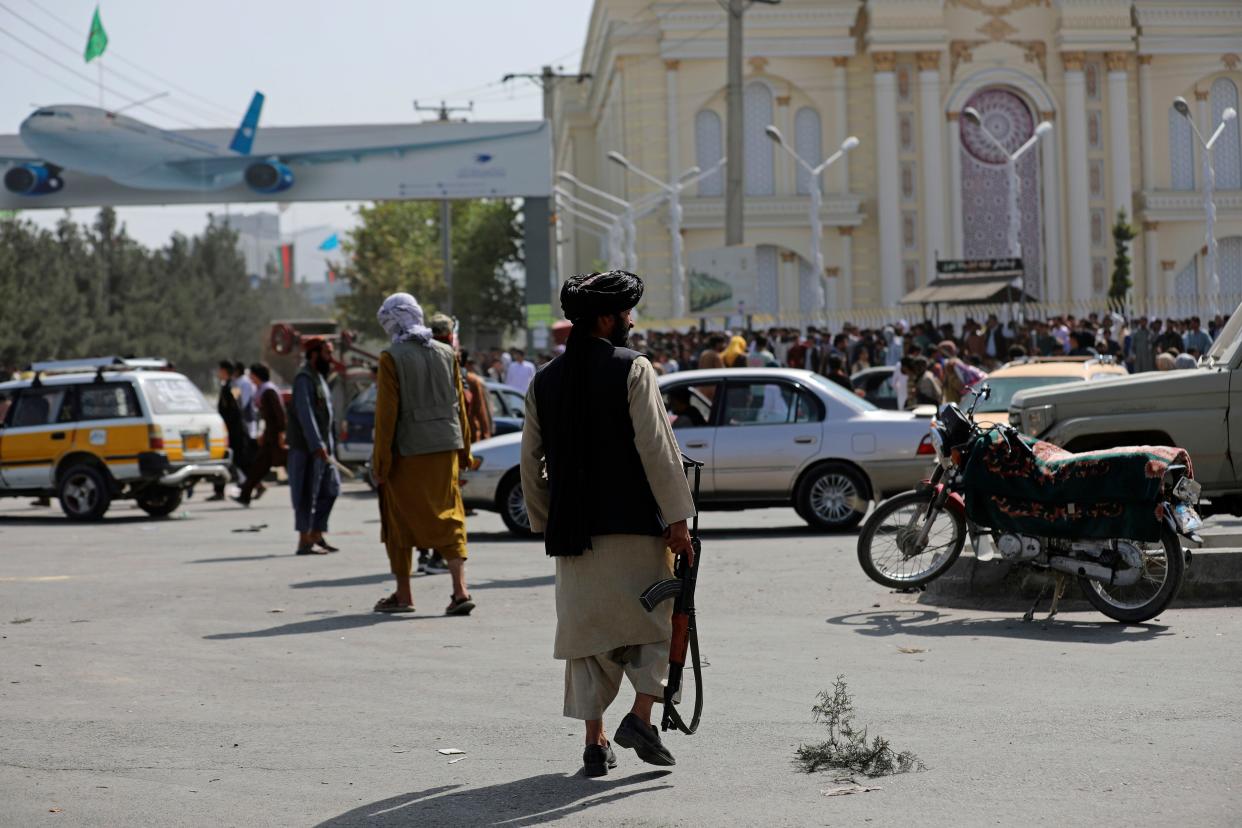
(769, 437)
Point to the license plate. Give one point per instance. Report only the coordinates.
(194, 442)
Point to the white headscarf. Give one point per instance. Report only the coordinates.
(402, 319)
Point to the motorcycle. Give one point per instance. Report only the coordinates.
(1110, 519)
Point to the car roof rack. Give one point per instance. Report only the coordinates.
(96, 364)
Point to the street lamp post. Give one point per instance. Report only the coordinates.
(1014, 242)
(1209, 192)
(817, 197)
(673, 192)
(611, 222)
(631, 211)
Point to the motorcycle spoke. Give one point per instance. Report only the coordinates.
(900, 529)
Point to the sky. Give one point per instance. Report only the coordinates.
(317, 62)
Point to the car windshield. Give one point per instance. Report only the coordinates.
(841, 394)
(365, 402)
(1227, 341)
(175, 395)
(1003, 389)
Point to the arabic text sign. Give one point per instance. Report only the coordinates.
(974, 267)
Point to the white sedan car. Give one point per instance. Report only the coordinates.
(768, 437)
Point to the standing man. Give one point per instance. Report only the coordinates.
(229, 408)
(246, 398)
(711, 356)
(313, 480)
(1196, 339)
(520, 372)
(269, 451)
(603, 481)
(480, 409)
(422, 440)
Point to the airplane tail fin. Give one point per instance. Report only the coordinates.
(244, 137)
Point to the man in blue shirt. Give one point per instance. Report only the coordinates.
(313, 480)
(1196, 339)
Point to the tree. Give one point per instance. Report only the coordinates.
(80, 291)
(1123, 234)
(396, 247)
(393, 249)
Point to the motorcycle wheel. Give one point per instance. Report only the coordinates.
(1164, 565)
(895, 523)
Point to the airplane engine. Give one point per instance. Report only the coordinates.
(33, 179)
(269, 177)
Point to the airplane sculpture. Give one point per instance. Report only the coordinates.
(94, 141)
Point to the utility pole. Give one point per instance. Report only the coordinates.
(734, 170)
(547, 80)
(443, 114)
(538, 217)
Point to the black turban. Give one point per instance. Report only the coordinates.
(589, 295)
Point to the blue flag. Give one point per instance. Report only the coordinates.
(330, 243)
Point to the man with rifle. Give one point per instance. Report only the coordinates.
(603, 480)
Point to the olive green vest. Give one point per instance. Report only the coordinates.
(429, 419)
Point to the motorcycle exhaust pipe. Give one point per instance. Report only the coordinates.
(1094, 571)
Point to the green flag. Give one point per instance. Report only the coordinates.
(97, 40)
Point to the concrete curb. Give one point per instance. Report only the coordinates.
(1214, 578)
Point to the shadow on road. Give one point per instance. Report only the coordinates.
(532, 801)
(777, 532)
(936, 625)
(356, 580)
(379, 578)
(59, 518)
(516, 583)
(322, 625)
(240, 558)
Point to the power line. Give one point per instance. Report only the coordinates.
(72, 49)
(230, 112)
(40, 72)
(87, 78)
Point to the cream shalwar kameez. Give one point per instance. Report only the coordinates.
(602, 630)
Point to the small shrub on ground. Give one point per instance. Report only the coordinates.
(847, 748)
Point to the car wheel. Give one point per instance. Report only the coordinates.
(159, 501)
(832, 497)
(512, 506)
(84, 493)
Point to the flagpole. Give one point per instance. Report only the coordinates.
(99, 61)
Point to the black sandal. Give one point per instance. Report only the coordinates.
(392, 604)
(327, 547)
(460, 606)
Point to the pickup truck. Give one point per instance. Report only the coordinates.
(1197, 409)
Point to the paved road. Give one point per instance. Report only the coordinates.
(180, 672)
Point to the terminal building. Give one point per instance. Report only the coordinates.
(924, 183)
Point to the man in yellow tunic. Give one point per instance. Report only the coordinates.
(422, 439)
(603, 480)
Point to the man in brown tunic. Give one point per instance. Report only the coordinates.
(422, 440)
(603, 480)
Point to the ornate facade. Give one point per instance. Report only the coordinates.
(924, 183)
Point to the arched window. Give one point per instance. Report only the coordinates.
(708, 149)
(757, 147)
(1227, 151)
(1181, 152)
(767, 264)
(808, 141)
(1229, 267)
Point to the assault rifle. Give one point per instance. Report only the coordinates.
(685, 632)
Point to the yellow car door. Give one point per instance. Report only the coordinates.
(36, 437)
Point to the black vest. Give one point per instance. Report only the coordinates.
(596, 481)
